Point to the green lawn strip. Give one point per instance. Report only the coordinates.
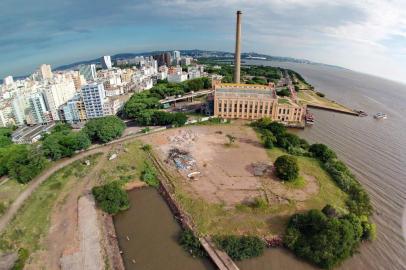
(127, 167)
(33, 220)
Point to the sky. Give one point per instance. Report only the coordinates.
(363, 35)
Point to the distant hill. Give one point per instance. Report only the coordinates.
(193, 53)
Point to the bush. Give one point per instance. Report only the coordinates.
(322, 152)
(104, 129)
(148, 175)
(23, 255)
(191, 244)
(284, 92)
(286, 167)
(322, 240)
(240, 247)
(111, 197)
(320, 94)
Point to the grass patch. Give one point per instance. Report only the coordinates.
(297, 183)
(9, 191)
(33, 219)
(329, 192)
(127, 167)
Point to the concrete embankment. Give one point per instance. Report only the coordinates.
(331, 109)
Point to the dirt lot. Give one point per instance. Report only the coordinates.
(226, 170)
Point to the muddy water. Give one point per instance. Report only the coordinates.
(152, 233)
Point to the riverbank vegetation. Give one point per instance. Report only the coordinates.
(32, 221)
(240, 247)
(111, 197)
(191, 244)
(325, 240)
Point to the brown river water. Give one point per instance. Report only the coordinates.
(375, 150)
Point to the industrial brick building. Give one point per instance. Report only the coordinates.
(251, 101)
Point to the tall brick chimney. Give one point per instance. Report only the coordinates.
(237, 56)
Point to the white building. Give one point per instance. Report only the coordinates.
(57, 94)
(106, 62)
(94, 97)
(8, 81)
(45, 72)
(88, 71)
(186, 61)
(112, 106)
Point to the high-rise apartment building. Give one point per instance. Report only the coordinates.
(74, 110)
(39, 109)
(88, 71)
(45, 72)
(58, 94)
(94, 97)
(8, 80)
(106, 62)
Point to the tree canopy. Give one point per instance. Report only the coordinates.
(322, 240)
(286, 167)
(111, 197)
(104, 129)
(240, 247)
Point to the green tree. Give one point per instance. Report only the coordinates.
(111, 197)
(322, 152)
(268, 139)
(24, 163)
(286, 167)
(322, 240)
(104, 129)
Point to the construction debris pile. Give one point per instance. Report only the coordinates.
(181, 158)
(185, 137)
(261, 169)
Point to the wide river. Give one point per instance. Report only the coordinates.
(374, 149)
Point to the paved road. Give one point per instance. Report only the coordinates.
(37, 181)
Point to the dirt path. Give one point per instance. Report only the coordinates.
(63, 238)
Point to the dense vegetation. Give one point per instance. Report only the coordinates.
(191, 244)
(325, 238)
(5, 137)
(111, 197)
(144, 107)
(256, 74)
(286, 167)
(21, 162)
(240, 247)
(326, 241)
(63, 142)
(149, 176)
(104, 129)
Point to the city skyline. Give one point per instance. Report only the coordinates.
(367, 37)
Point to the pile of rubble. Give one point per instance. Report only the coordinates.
(184, 137)
(261, 169)
(181, 158)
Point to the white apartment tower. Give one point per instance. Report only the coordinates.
(88, 71)
(45, 71)
(94, 97)
(58, 94)
(39, 109)
(106, 62)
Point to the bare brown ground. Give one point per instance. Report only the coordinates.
(226, 170)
